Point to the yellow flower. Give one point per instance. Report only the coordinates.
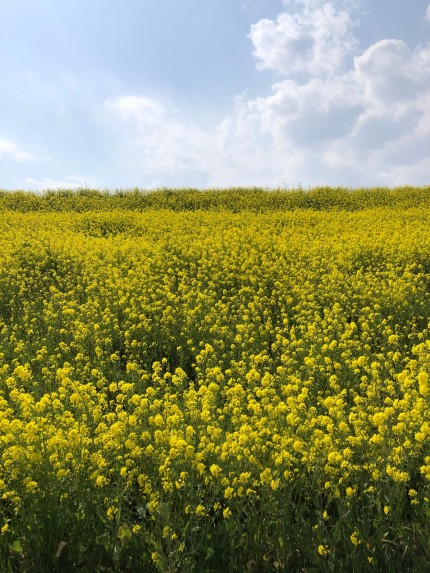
(22, 372)
(323, 550)
(227, 513)
(215, 470)
(423, 379)
(101, 481)
(200, 510)
(229, 492)
(393, 339)
(166, 531)
(155, 556)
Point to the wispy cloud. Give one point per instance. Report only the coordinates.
(73, 182)
(156, 142)
(10, 149)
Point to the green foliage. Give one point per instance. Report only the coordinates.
(233, 199)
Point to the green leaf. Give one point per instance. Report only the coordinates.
(124, 533)
(16, 546)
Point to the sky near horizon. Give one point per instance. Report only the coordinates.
(215, 93)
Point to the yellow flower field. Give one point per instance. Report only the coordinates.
(218, 389)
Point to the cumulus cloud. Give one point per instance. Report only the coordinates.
(392, 73)
(389, 136)
(314, 40)
(310, 113)
(336, 116)
(369, 124)
(10, 149)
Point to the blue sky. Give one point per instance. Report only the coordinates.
(220, 93)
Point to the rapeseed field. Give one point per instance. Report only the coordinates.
(221, 382)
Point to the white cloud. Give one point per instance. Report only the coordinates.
(144, 111)
(168, 151)
(428, 13)
(332, 119)
(370, 124)
(315, 40)
(310, 113)
(73, 182)
(392, 73)
(389, 138)
(8, 148)
(156, 140)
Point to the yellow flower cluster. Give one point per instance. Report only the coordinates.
(214, 368)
